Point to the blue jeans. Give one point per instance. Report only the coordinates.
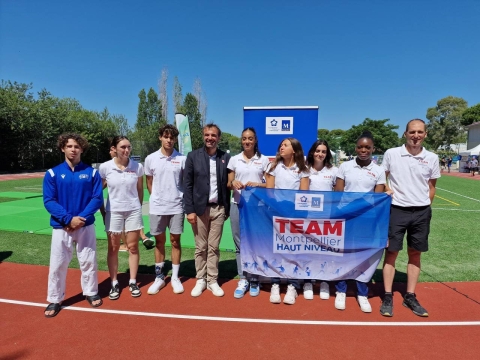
(362, 288)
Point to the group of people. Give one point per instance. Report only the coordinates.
(472, 165)
(199, 187)
(446, 163)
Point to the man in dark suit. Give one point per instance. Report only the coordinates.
(207, 205)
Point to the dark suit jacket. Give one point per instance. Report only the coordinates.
(196, 181)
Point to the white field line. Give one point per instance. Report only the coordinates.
(455, 209)
(466, 197)
(248, 320)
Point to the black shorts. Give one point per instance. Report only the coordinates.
(415, 221)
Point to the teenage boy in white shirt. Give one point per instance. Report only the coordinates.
(164, 171)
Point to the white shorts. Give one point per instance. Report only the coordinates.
(117, 222)
(159, 223)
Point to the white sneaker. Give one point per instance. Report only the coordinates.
(340, 301)
(364, 304)
(291, 295)
(215, 289)
(308, 291)
(275, 294)
(324, 291)
(177, 286)
(156, 286)
(199, 287)
(241, 289)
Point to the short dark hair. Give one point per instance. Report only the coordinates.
(422, 121)
(168, 129)
(212, 125)
(63, 140)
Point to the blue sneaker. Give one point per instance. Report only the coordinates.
(241, 289)
(254, 288)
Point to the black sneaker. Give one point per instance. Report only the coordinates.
(387, 306)
(148, 243)
(114, 293)
(410, 301)
(134, 289)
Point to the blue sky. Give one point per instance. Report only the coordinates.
(354, 59)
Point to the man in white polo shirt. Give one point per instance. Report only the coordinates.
(164, 171)
(412, 173)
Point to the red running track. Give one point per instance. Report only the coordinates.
(120, 333)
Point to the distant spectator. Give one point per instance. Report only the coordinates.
(449, 163)
(473, 166)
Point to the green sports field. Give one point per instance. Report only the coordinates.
(454, 253)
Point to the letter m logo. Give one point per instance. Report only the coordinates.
(285, 125)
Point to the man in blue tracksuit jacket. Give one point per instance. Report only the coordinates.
(72, 194)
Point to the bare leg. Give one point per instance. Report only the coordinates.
(112, 255)
(389, 270)
(160, 248)
(134, 255)
(176, 248)
(413, 269)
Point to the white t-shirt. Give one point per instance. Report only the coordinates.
(361, 179)
(323, 180)
(167, 184)
(409, 175)
(287, 178)
(122, 185)
(213, 195)
(247, 171)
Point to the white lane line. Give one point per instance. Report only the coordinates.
(451, 192)
(247, 320)
(456, 209)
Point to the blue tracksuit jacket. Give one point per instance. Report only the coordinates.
(68, 193)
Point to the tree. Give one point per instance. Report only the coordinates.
(30, 127)
(154, 109)
(142, 113)
(177, 95)
(445, 122)
(333, 138)
(471, 115)
(230, 142)
(162, 91)
(201, 100)
(384, 135)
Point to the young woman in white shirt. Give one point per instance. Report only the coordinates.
(246, 169)
(359, 175)
(124, 179)
(289, 172)
(322, 178)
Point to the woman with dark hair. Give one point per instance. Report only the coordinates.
(246, 169)
(322, 178)
(124, 178)
(359, 175)
(288, 171)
